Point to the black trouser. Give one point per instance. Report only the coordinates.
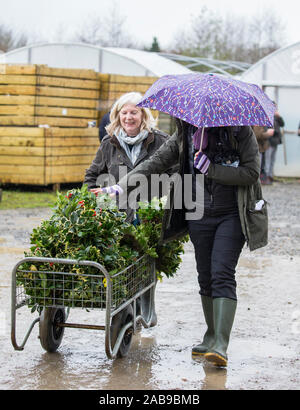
(218, 241)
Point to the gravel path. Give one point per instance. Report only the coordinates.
(264, 352)
(284, 221)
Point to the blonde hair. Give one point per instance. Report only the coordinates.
(148, 121)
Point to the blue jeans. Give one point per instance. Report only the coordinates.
(218, 242)
(270, 157)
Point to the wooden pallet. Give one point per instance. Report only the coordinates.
(42, 156)
(33, 69)
(112, 86)
(36, 95)
(20, 100)
(44, 117)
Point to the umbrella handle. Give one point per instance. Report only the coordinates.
(201, 142)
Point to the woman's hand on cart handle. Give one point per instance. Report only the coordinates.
(111, 190)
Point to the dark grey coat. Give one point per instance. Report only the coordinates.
(111, 156)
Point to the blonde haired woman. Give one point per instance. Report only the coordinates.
(131, 139)
(125, 102)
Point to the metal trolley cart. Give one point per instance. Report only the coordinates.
(127, 297)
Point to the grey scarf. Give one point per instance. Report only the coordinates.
(137, 141)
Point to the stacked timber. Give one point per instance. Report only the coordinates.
(33, 95)
(112, 86)
(44, 118)
(43, 156)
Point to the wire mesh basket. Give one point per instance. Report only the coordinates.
(79, 285)
(49, 285)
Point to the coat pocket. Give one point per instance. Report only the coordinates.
(257, 223)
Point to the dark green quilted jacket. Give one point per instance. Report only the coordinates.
(246, 177)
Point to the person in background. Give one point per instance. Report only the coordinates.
(262, 135)
(103, 124)
(270, 154)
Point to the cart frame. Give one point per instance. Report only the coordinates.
(111, 310)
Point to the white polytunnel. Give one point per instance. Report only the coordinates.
(279, 75)
(123, 61)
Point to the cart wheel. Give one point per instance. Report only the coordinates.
(118, 321)
(50, 334)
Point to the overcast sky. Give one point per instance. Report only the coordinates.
(144, 19)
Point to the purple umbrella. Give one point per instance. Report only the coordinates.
(210, 100)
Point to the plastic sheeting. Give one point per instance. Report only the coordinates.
(105, 60)
(279, 75)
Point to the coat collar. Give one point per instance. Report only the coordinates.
(114, 141)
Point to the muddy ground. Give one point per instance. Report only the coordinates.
(264, 351)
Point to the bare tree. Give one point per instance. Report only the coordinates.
(115, 29)
(200, 38)
(108, 31)
(206, 28)
(91, 32)
(10, 39)
(181, 43)
(230, 37)
(266, 34)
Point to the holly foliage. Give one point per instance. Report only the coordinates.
(84, 227)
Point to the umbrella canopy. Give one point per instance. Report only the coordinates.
(210, 100)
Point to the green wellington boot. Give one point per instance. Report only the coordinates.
(224, 312)
(208, 339)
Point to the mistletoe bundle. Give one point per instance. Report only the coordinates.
(84, 227)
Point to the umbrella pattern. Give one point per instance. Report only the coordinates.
(210, 100)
